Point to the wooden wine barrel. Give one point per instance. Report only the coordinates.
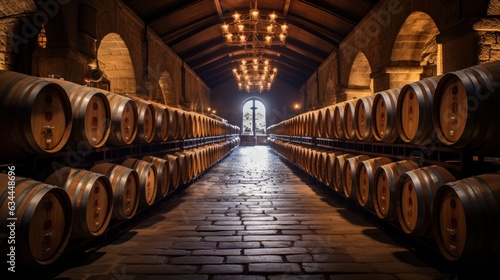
(310, 124)
(365, 173)
(210, 127)
(198, 160)
(465, 219)
(330, 168)
(35, 116)
(43, 218)
(339, 180)
(175, 171)
(384, 116)
(178, 124)
(309, 163)
(319, 131)
(350, 120)
(415, 196)
(329, 121)
(91, 197)
(148, 179)
(184, 166)
(350, 178)
(146, 120)
(172, 123)
(91, 114)
(191, 164)
(163, 169)
(465, 103)
(301, 124)
(385, 183)
(124, 120)
(320, 158)
(161, 121)
(195, 120)
(363, 119)
(338, 121)
(206, 126)
(414, 117)
(126, 189)
(202, 160)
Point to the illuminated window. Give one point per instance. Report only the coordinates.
(254, 117)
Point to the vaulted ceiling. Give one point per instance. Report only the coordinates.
(192, 29)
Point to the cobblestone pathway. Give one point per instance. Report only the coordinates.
(254, 217)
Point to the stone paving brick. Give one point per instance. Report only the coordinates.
(257, 232)
(131, 270)
(276, 244)
(227, 223)
(274, 251)
(197, 260)
(253, 259)
(239, 277)
(223, 238)
(243, 245)
(172, 252)
(276, 237)
(206, 233)
(220, 228)
(222, 269)
(217, 252)
(194, 245)
(299, 258)
(274, 268)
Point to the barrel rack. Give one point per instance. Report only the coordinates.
(84, 157)
(38, 167)
(461, 162)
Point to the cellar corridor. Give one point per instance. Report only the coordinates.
(255, 216)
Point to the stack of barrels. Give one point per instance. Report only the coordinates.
(42, 116)
(459, 215)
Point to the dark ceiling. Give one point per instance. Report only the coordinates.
(192, 29)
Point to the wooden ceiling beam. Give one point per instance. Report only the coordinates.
(335, 11)
(168, 10)
(187, 31)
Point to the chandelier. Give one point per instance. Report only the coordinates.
(253, 30)
(254, 73)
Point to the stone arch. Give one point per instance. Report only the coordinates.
(114, 60)
(166, 89)
(360, 81)
(415, 53)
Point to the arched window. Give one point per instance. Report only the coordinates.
(254, 117)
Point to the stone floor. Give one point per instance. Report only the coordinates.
(254, 216)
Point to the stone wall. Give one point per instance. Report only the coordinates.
(402, 41)
(84, 35)
(398, 42)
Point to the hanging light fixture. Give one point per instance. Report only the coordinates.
(255, 73)
(254, 30)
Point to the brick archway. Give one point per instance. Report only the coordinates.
(114, 60)
(166, 89)
(360, 82)
(415, 53)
